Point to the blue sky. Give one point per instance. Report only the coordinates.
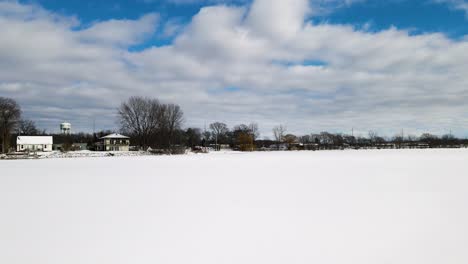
(420, 16)
(312, 65)
(417, 15)
(89, 11)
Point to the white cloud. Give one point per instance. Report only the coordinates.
(173, 27)
(282, 20)
(456, 4)
(121, 32)
(383, 81)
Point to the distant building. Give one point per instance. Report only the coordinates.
(282, 146)
(114, 142)
(74, 147)
(36, 143)
(65, 128)
(79, 146)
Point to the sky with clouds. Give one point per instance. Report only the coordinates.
(312, 65)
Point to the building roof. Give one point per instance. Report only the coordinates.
(115, 136)
(34, 140)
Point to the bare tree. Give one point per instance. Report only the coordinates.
(28, 127)
(10, 113)
(173, 118)
(254, 131)
(219, 131)
(326, 138)
(242, 128)
(140, 117)
(278, 132)
(373, 136)
(150, 122)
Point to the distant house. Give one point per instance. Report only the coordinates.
(34, 143)
(114, 142)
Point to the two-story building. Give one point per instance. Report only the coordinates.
(114, 142)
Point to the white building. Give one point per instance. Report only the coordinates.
(36, 143)
(114, 142)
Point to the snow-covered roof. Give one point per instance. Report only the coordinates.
(34, 140)
(115, 136)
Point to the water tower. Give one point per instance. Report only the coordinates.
(65, 128)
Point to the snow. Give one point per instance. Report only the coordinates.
(113, 136)
(90, 154)
(363, 207)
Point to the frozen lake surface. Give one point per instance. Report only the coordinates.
(362, 207)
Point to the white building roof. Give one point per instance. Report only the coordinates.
(118, 136)
(34, 140)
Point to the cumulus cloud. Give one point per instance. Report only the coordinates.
(281, 20)
(385, 81)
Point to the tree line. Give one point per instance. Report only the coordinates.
(152, 124)
(326, 140)
(156, 125)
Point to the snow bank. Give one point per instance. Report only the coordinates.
(363, 207)
(92, 154)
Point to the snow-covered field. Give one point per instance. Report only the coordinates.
(362, 207)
